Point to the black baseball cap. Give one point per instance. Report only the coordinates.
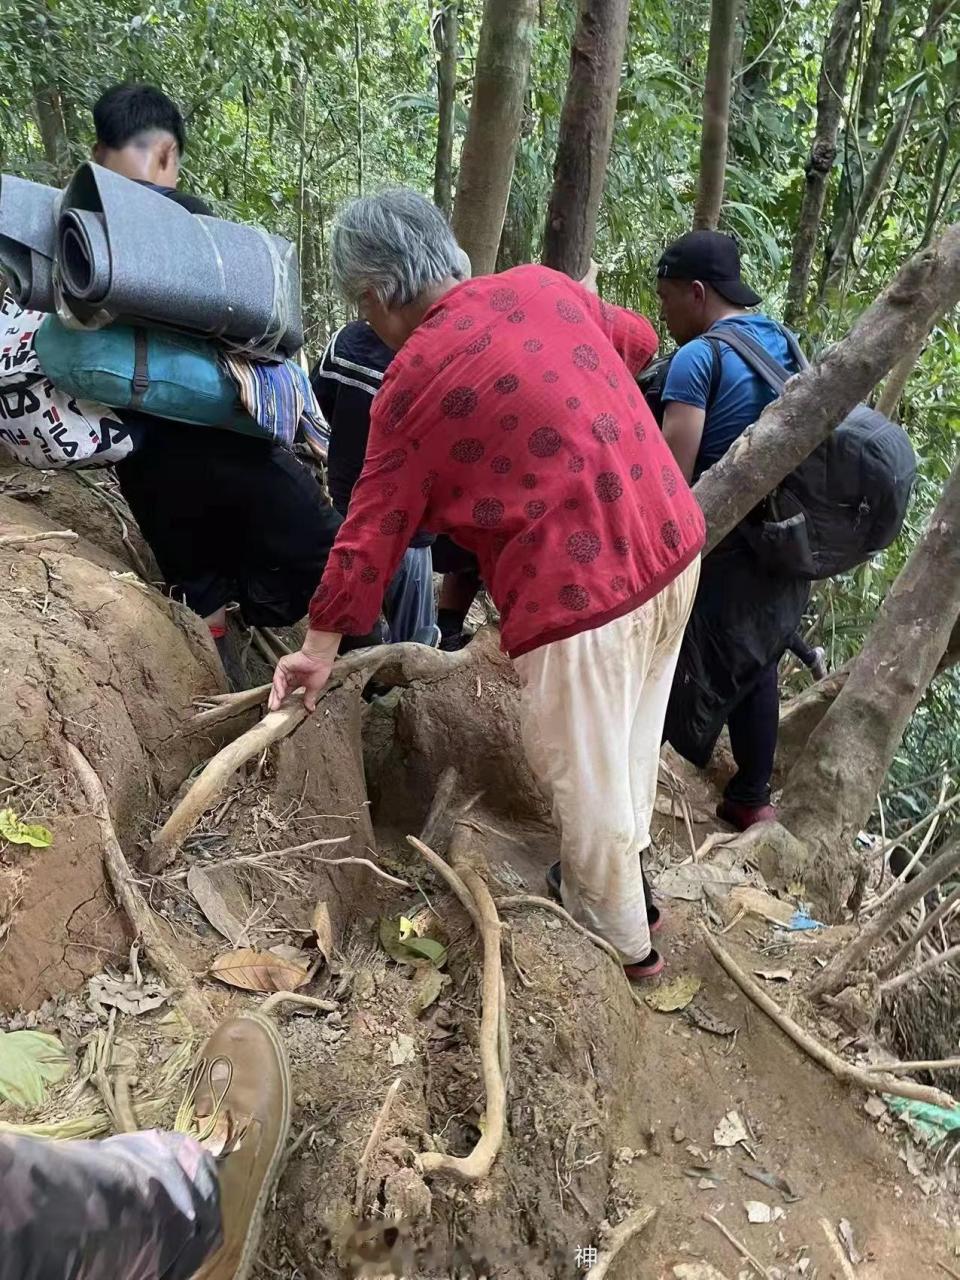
(712, 257)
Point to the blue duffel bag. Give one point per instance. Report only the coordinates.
(159, 372)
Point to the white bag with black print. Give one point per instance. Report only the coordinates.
(44, 427)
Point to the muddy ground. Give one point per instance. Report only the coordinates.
(610, 1106)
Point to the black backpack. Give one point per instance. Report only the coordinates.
(845, 502)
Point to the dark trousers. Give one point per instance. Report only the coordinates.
(800, 649)
(753, 725)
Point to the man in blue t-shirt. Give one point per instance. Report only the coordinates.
(744, 617)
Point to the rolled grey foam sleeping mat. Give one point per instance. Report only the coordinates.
(128, 251)
(28, 240)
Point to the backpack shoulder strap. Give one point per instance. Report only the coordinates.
(753, 355)
(716, 373)
(793, 346)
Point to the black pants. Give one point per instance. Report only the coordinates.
(230, 518)
(801, 650)
(753, 725)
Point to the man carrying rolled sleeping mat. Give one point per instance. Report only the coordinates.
(228, 517)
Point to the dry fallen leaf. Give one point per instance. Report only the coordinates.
(707, 1021)
(401, 1049)
(252, 970)
(730, 1130)
(673, 995)
(760, 1211)
(323, 928)
(774, 975)
(430, 982)
(125, 994)
(845, 1232)
(210, 890)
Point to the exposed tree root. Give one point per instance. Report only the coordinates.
(294, 997)
(837, 973)
(620, 1237)
(9, 540)
(447, 873)
(871, 1081)
(213, 780)
(478, 1163)
(547, 904)
(470, 888)
(935, 962)
(740, 1247)
(169, 966)
(372, 1143)
(438, 808)
(930, 922)
(908, 1068)
(394, 664)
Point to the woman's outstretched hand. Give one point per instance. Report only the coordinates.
(309, 668)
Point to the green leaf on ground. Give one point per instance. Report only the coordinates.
(29, 1062)
(403, 945)
(17, 832)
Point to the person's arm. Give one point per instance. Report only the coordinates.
(386, 507)
(324, 386)
(632, 335)
(686, 393)
(683, 432)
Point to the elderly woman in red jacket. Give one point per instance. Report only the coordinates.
(510, 420)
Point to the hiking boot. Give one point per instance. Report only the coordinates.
(238, 1107)
(743, 816)
(554, 889)
(649, 967)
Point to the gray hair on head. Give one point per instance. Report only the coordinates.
(393, 245)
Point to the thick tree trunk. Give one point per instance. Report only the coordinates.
(716, 113)
(801, 715)
(880, 41)
(830, 792)
(53, 130)
(586, 130)
(823, 153)
(814, 402)
(489, 150)
(447, 37)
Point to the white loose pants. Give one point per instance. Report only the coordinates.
(592, 713)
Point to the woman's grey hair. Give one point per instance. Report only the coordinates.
(393, 245)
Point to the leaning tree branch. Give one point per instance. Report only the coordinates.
(837, 973)
(164, 959)
(815, 401)
(871, 1081)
